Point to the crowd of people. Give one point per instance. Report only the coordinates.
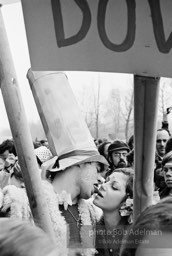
(91, 192)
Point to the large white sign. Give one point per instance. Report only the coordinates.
(129, 36)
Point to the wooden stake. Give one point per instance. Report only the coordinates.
(21, 134)
(146, 91)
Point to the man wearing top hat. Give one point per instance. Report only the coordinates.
(72, 174)
(72, 184)
(65, 193)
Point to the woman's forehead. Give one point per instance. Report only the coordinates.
(120, 177)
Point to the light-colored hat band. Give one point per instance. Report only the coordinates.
(79, 153)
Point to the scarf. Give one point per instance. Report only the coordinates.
(17, 198)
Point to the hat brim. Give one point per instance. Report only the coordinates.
(73, 160)
(168, 164)
(120, 148)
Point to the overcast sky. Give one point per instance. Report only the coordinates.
(14, 24)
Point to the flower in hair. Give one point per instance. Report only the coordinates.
(126, 209)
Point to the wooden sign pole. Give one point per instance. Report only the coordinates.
(21, 134)
(146, 91)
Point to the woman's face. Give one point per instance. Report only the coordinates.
(112, 192)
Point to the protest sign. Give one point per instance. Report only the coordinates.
(131, 36)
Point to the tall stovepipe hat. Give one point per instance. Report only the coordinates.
(68, 136)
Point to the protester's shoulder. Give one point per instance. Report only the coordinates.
(14, 203)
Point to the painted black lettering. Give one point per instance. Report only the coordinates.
(131, 26)
(58, 23)
(163, 45)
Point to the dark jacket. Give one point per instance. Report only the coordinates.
(108, 243)
(164, 193)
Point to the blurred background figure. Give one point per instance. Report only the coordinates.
(131, 142)
(167, 172)
(161, 140)
(98, 141)
(7, 170)
(103, 148)
(36, 144)
(151, 233)
(43, 154)
(18, 238)
(7, 147)
(130, 156)
(163, 136)
(44, 143)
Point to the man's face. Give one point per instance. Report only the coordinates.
(161, 140)
(89, 177)
(119, 158)
(167, 170)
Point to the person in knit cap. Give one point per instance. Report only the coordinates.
(117, 155)
(43, 154)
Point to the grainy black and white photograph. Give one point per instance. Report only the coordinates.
(85, 127)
